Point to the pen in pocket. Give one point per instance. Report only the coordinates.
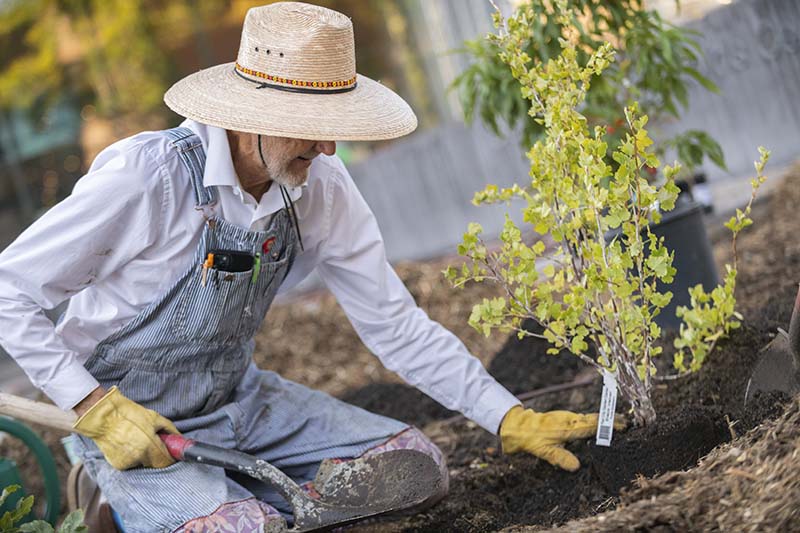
(208, 264)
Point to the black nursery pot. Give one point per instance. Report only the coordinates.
(685, 234)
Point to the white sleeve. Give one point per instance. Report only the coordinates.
(394, 328)
(111, 216)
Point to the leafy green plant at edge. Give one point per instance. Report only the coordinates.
(73, 523)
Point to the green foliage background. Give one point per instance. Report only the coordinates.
(655, 64)
(121, 66)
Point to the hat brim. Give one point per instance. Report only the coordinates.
(219, 97)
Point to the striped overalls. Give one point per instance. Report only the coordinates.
(188, 355)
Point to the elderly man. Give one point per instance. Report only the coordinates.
(171, 250)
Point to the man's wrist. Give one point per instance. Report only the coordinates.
(93, 397)
(505, 416)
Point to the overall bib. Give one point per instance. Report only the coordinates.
(188, 355)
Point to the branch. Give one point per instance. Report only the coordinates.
(640, 259)
(672, 377)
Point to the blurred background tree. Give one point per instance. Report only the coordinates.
(655, 62)
(106, 54)
(76, 75)
(119, 56)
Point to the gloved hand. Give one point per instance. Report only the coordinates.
(126, 432)
(544, 434)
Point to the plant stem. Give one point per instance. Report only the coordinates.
(633, 389)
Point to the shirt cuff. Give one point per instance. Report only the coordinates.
(72, 384)
(492, 406)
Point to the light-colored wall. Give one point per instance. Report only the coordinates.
(752, 52)
(439, 29)
(421, 188)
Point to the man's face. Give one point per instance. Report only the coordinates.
(288, 160)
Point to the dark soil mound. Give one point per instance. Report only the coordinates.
(524, 365)
(393, 400)
(676, 442)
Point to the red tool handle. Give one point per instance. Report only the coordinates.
(176, 445)
(191, 451)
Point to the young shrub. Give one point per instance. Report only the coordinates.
(598, 284)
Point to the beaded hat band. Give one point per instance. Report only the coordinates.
(278, 82)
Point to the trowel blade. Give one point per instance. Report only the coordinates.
(369, 487)
(775, 370)
(395, 479)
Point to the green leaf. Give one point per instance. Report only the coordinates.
(37, 526)
(8, 491)
(702, 80)
(73, 523)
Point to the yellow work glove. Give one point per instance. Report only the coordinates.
(126, 432)
(544, 434)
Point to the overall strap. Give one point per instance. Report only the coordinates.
(194, 159)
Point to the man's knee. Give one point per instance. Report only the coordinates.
(227, 517)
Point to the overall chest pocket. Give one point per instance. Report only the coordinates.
(228, 307)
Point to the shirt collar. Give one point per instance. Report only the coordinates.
(220, 172)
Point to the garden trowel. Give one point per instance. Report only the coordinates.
(778, 368)
(350, 491)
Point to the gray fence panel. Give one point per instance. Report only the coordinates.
(421, 188)
(752, 52)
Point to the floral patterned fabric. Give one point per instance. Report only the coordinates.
(245, 516)
(251, 515)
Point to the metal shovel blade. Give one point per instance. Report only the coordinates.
(372, 486)
(778, 368)
(392, 480)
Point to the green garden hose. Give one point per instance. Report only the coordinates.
(46, 463)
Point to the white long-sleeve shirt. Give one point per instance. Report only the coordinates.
(130, 228)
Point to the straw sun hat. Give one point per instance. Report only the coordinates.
(295, 76)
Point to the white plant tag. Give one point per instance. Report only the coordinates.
(608, 405)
